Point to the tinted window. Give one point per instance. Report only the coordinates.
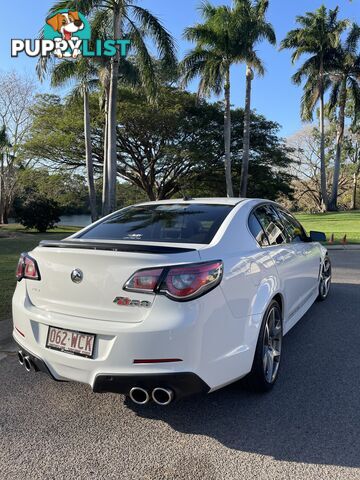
(257, 230)
(294, 229)
(171, 223)
(271, 223)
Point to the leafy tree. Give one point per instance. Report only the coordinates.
(56, 135)
(220, 43)
(270, 160)
(164, 150)
(16, 97)
(345, 78)
(67, 189)
(307, 165)
(159, 145)
(37, 211)
(317, 36)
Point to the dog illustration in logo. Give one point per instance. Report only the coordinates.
(66, 24)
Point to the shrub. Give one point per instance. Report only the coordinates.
(37, 211)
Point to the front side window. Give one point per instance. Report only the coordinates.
(170, 223)
(272, 225)
(294, 229)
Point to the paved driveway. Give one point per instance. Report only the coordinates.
(308, 427)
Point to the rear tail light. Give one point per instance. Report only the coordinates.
(181, 283)
(144, 280)
(27, 268)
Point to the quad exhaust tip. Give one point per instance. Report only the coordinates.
(25, 361)
(162, 396)
(27, 364)
(21, 357)
(139, 395)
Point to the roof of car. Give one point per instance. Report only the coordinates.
(210, 201)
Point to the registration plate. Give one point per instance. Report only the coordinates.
(68, 341)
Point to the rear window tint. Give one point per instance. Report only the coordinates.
(171, 223)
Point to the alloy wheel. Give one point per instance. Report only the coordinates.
(325, 278)
(272, 342)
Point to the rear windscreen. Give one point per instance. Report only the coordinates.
(177, 223)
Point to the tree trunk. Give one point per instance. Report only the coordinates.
(354, 190)
(246, 135)
(227, 136)
(2, 199)
(112, 118)
(323, 186)
(332, 205)
(89, 158)
(105, 190)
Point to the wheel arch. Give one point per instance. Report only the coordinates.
(280, 299)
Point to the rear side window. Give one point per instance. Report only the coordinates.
(171, 223)
(272, 225)
(257, 230)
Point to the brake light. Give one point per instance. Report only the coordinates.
(27, 268)
(181, 283)
(144, 280)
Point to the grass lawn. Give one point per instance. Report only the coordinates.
(335, 223)
(14, 240)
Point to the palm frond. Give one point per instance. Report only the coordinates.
(334, 95)
(255, 62)
(144, 59)
(309, 68)
(355, 95)
(352, 40)
(84, 6)
(101, 24)
(153, 27)
(63, 73)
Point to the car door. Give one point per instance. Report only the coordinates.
(308, 253)
(288, 258)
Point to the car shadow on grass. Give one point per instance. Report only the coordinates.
(312, 414)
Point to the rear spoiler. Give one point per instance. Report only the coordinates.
(115, 247)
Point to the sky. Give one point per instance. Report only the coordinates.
(273, 95)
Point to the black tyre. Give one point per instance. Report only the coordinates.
(265, 369)
(325, 280)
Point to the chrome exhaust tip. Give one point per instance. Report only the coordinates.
(27, 364)
(21, 357)
(162, 396)
(139, 395)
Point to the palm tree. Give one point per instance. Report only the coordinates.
(318, 35)
(257, 29)
(84, 73)
(345, 78)
(125, 19)
(221, 43)
(211, 60)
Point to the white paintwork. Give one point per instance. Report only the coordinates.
(215, 335)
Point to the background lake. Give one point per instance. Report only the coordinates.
(75, 220)
(70, 220)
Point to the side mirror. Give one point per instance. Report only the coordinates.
(317, 236)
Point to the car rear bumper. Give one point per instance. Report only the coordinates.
(206, 342)
(181, 383)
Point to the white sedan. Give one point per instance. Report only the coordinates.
(169, 298)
